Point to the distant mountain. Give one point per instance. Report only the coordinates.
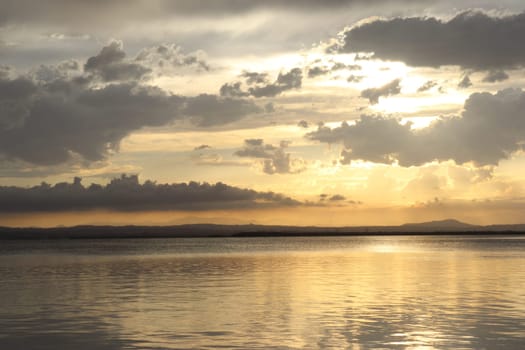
(441, 225)
(449, 226)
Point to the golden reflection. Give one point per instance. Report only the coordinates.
(316, 293)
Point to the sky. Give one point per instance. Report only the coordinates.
(327, 113)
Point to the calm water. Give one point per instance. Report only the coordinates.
(264, 293)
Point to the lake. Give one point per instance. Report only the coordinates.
(402, 292)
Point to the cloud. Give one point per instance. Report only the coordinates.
(303, 124)
(58, 112)
(491, 128)
(80, 13)
(232, 90)
(88, 122)
(337, 198)
(427, 86)
(127, 194)
(285, 81)
(354, 78)
(494, 76)
(216, 160)
(465, 82)
(373, 94)
(472, 40)
(110, 65)
(274, 160)
(260, 87)
(316, 71)
(5, 71)
(201, 147)
(269, 107)
(171, 55)
(255, 78)
(210, 110)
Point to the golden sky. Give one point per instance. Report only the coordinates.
(283, 112)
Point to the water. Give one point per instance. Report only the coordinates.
(438, 292)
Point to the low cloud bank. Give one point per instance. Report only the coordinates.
(128, 194)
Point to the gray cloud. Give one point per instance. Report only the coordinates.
(255, 78)
(494, 76)
(269, 107)
(88, 122)
(110, 65)
(171, 55)
(274, 159)
(210, 110)
(54, 114)
(303, 124)
(427, 86)
(260, 87)
(201, 147)
(354, 78)
(373, 94)
(337, 198)
(5, 71)
(491, 128)
(232, 90)
(316, 71)
(465, 82)
(78, 12)
(472, 40)
(284, 82)
(127, 194)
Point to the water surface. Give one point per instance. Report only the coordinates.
(403, 292)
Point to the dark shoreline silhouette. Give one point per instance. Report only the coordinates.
(445, 227)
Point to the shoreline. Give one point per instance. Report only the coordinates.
(247, 231)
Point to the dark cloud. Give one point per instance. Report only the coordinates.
(49, 117)
(255, 78)
(354, 78)
(472, 40)
(269, 107)
(494, 76)
(18, 88)
(88, 122)
(291, 79)
(465, 82)
(110, 65)
(491, 128)
(79, 12)
(210, 110)
(337, 198)
(171, 55)
(316, 71)
(427, 86)
(285, 81)
(274, 160)
(373, 94)
(15, 94)
(232, 90)
(260, 87)
(5, 71)
(127, 194)
(303, 124)
(201, 147)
